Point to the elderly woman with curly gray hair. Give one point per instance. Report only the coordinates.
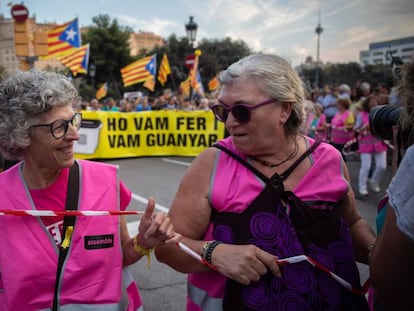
(55, 261)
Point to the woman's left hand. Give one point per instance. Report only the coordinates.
(155, 229)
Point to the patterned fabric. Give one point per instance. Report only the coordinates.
(281, 224)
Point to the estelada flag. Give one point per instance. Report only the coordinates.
(63, 38)
(150, 83)
(76, 60)
(139, 71)
(164, 70)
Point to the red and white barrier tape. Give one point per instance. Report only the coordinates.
(50, 213)
(187, 250)
(291, 260)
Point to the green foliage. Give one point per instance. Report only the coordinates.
(379, 74)
(219, 54)
(350, 73)
(86, 91)
(216, 56)
(109, 50)
(337, 74)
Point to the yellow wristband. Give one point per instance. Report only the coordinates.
(143, 251)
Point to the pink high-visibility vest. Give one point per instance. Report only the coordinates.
(368, 143)
(92, 275)
(341, 135)
(234, 187)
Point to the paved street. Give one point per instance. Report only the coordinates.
(161, 287)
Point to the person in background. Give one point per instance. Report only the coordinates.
(95, 105)
(391, 268)
(204, 104)
(344, 91)
(187, 105)
(143, 104)
(110, 105)
(328, 101)
(171, 103)
(267, 192)
(39, 126)
(369, 146)
(318, 125)
(342, 125)
(309, 107)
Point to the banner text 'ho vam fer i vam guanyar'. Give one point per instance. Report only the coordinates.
(108, 135)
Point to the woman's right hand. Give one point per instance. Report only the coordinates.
(243, 263)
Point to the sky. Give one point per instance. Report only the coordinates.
(282, 27)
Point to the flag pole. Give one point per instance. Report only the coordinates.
(173, 81)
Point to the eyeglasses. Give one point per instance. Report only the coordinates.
(59, 128)
(241, 112)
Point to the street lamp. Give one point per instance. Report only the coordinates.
(191, 29)
(92, 74)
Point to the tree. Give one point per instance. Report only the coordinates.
(348, 73)
(341, 73)
(109, 50)
(378, 74)
(216, 56)
(219, 54)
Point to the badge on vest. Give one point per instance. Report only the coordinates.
(99, 241)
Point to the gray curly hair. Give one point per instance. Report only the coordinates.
(23, 98)
(275, 77)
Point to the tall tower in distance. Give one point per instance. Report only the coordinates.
(318, 31)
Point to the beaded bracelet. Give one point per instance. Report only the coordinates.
(143, 251)
(208, 249)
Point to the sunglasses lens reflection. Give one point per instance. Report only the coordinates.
(241, 113)
(77, 120)
(220, 113)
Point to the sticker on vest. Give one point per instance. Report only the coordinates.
(99, 241)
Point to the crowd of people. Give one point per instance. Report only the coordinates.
(168, 100)
(255, 208)
(340, 116)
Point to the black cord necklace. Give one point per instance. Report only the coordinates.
(289, 157)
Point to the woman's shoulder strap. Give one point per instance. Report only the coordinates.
(242, 161)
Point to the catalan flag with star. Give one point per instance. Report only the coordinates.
(76, 60)
(63, 38)
(139, 71)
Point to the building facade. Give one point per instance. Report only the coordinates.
(380, 52)
(11, 63)
(143, 41)
(8, 58)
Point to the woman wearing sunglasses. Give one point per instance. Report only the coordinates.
(267, 192)
(57, 262)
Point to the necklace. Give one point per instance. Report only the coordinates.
(289, 157)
